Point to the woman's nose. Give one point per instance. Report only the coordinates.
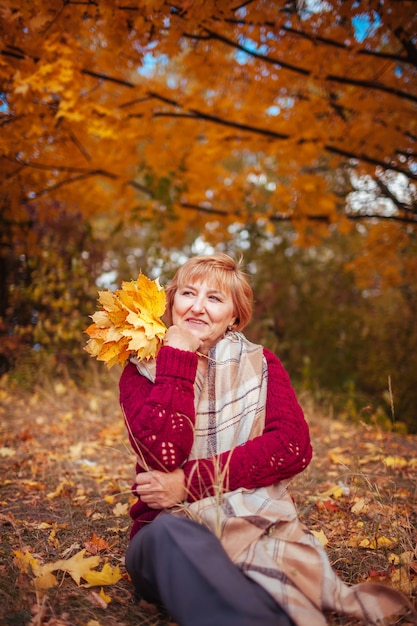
(198, 305)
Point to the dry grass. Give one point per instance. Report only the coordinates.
(66, 468)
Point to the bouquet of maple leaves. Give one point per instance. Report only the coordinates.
(128, 323)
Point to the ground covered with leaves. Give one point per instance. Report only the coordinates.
(66, 470)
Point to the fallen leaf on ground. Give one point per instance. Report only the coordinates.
(77, 566)
(107, 576)
(320, 535)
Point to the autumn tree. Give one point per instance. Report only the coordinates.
(208, 112)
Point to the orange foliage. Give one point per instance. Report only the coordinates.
(389, 245)
(179, 108)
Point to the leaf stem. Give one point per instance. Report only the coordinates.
(207, 357)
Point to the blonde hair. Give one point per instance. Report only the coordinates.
(223, 273)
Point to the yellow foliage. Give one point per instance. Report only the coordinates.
(129, 322)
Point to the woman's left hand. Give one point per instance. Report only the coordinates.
(161, 490)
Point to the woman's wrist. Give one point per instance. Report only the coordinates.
(177, 363)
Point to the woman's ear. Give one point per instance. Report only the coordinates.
(232, 323)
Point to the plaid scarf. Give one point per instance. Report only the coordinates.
(231, 398)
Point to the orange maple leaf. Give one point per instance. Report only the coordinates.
(95, 544)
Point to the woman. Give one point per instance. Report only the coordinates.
(218, 433)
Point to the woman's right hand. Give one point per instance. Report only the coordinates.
(182, 339)
(160, 490)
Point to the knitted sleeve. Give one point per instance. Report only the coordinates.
(160, 416)
(282, 450)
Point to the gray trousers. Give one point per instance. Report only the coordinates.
(181, 565)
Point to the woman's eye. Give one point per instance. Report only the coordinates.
(215, 298)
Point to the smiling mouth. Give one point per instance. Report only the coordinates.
(194, 321)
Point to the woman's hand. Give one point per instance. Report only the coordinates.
(182, 339)
(161, 490)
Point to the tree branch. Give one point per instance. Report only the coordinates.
(58, 168)
(310, 218)
(343, 46)
(400, 205)
(366, 84)
(242, 5)
(407, 44)
(112, 79)
(196, 114)
(367, 159)
(391, 218)
(371, 84)
(390, 56)
(82, 175)
(257, 55)
(69, 181)
(80, 146)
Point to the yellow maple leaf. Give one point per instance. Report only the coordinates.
(105, 596)
(138, 339)
(395, 461)
(108, 351)
(335, 491)
(97, 332)
(100, 319)
(150, 295)
(25, 561)
(107, 576)
(378, 542)
(129, 300)
(108, 300)
(401, 579)
(77, 566)
(120, 509)
(117, 317)
(94, 346)
(321, 536)
(113, 335)
(63, 485)
(336, 456)
(129, 322)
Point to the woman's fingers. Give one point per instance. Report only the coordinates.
(161, 489)
(144, 479)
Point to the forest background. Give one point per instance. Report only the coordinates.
(136, 134)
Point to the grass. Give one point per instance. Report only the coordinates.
(66, 470)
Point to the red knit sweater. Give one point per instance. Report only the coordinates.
(160, 417)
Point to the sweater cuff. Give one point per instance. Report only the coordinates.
(176, 363)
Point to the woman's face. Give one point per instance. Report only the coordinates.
(204, 310)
